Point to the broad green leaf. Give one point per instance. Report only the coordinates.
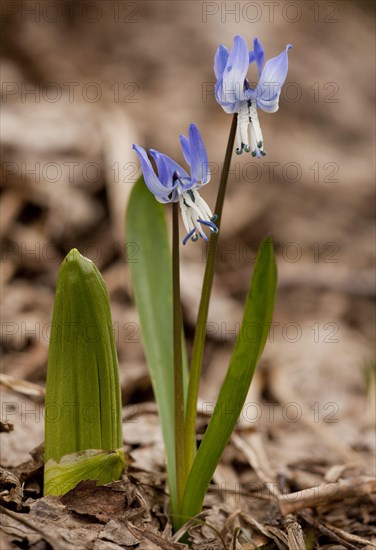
(248, 348)
(151, 274)
(101, 466)
(83, 402)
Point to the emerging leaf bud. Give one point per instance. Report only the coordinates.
(83, 431)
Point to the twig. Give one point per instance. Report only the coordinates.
(318, 525)
(159, 541)
(312, 497)
(21, 386)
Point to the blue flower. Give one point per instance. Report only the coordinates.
(174, 184)
(235, 95)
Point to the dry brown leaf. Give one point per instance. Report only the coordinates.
(103, 502)
(11, 493)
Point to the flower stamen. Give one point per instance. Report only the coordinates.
(213, 227)
(249, 128)
(195, 214)
(188, 236)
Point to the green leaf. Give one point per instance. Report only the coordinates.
(151, 273)
(248, 349)
(101, 466)
(83, 402)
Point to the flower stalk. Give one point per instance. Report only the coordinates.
(180, 455)
(200, 332)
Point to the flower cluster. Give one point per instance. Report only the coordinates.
(234, 93)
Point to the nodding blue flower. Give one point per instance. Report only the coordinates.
(174, 184)
(234, 93)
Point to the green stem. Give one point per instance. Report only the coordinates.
(180, 459)
(200, 333)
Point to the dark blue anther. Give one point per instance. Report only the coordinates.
(210, 224)
(188, 236)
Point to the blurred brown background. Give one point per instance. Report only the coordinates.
(82, 81)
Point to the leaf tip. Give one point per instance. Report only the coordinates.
(75, 256)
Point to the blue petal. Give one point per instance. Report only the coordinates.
(198, 156)
(161, 167)
(269, 106)
(152, 181)
(220, 61)
(185, 184)
(230, 108)
(272, 78)
(252, 57)
(259, 54)
(235, 71)
(186, 148)
(167, 170)
(227, 107)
